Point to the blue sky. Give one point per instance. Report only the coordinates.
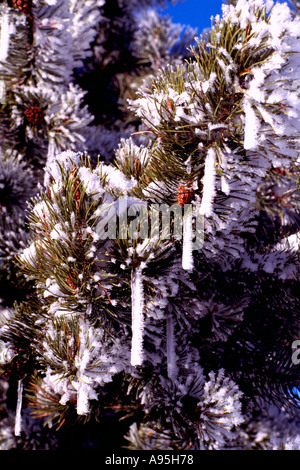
(196, 13)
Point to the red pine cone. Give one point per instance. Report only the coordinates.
(280, 171)
(184, 195)
(16, 367)
(71, 284)
(24, 6)
(34, 115)
(76, 182)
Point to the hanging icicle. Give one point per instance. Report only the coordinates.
(137, 316)
(5, 32)
(185, 195)
(18, 420)
(208, 181)
(171, 352)
(187, 246)
(83, 399)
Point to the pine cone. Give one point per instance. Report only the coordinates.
(16, 368)
(76, 183)
(34, 115)
(24, 6)
(184, 195)
(71, 283)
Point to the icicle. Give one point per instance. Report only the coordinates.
(4, 36)
(137, 318)
(225, 185)
(2, 91)
(187, 247)
(18, 420)
(171, 353)
(208, 181)
(83, 399)
(252, 125)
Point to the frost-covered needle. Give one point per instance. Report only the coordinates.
(171, 347)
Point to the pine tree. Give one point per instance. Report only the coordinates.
(149, 191)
